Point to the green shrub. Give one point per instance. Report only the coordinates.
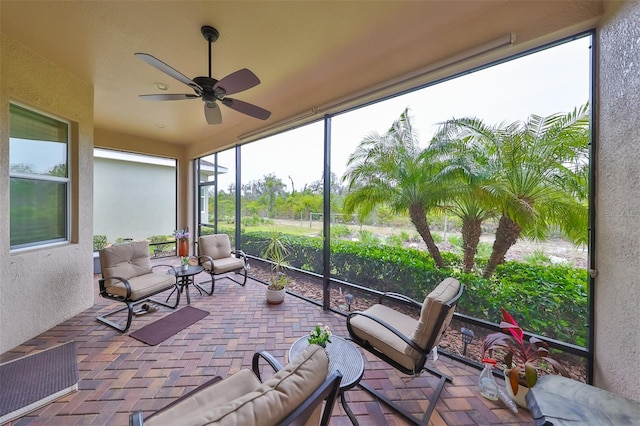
(255, 220)
(537, 258)
(367, 237)
(339, 231)
(155, 241)
(484, 250)
(546, 300)
(99, 242)
(455, 240)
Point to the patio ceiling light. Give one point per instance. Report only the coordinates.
(160, 86)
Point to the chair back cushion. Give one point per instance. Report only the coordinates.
(433, 306)
(126, 260)
(245, 401)
(217, 246)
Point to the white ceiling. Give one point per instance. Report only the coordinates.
(306, 53)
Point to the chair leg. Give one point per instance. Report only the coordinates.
(129, 307)
(213, 285)
(403, 412)
(244, 273)
(123, 329)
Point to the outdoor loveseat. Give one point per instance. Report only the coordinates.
(293, 395)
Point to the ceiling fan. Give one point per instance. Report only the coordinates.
(208, 88)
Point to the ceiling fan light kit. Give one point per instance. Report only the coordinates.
(208, 88)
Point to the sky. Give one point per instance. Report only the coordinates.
(543, 83)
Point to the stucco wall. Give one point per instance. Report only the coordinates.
(41, 288)
(617, 298)
(132, 199)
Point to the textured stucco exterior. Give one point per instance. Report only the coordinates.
(617, 291)
(40, 288)
(133, 199)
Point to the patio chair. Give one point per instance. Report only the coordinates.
(293, 395)
(217, 258)
(128, 277)
(404, 342)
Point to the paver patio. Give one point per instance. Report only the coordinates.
(119, 374)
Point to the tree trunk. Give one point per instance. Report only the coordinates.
(507, 235)
(471, 231)
(419, 219)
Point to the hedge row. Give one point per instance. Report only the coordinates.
(546, 300)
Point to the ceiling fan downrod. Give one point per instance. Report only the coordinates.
(211, 35)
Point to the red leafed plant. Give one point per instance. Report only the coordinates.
(522, 357)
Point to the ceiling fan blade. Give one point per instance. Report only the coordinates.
(247, 108)
(158, 64)
(212, 113)
(169, 97)
(237, 82)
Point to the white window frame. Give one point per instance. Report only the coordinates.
(47, 178)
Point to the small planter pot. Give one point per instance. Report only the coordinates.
(275, 297)
(184, 268)
(522, 391)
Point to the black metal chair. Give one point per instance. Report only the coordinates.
(293, 395)
(403, 341)
(128, 277)
(217, 258)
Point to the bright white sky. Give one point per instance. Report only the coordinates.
(544, 83)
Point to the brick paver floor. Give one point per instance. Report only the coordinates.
(119, 374)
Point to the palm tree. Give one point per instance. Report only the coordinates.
(392, 169)
(532, 176)
(467, 198)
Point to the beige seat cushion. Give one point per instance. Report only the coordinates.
(126, 260)
(433, 305)
(222, 266)
(381, 338)
(142, 286)
(241, 400)
(217, 246)
(132, 262)
(417, 330)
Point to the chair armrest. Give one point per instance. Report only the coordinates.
(204, 258)
(267, 357)
(397, 297)
(240, 254)
(170, 267)
(389, 327)
(103, 288)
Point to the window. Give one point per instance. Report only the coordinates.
(39, 190)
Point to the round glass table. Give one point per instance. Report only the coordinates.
(343, 357)
(186, 277)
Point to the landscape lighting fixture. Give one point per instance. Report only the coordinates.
(467, 337)
(349, 299)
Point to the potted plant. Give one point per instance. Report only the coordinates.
(276, 251)
(320, 335)
(184, 263)
(524, 360)
(99, 242)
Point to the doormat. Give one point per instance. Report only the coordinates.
(33, 381)
(166, 327)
